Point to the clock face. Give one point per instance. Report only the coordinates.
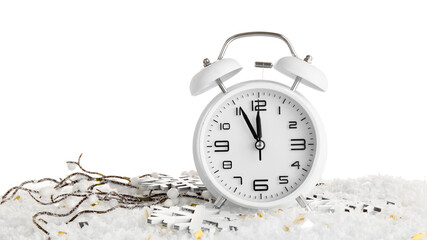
(258, 144)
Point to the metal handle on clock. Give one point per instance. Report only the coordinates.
(256, 34)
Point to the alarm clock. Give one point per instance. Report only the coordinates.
(259, 144)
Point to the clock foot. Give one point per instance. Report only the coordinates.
(303, 203)
(219, 202)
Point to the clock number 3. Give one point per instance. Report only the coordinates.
(298, 144)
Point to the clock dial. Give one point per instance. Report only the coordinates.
(259, 144)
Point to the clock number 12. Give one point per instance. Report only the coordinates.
(259, 105)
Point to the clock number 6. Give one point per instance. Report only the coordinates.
(259, 185)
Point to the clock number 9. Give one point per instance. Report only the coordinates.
(260, 186)
(223, 145)
(224, 126)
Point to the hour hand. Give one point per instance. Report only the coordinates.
(249, 124)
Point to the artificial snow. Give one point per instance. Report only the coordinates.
(71, 166)
(406, 218)
(173, 193)
(206, 194)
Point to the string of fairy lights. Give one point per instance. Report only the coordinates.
(87, 188)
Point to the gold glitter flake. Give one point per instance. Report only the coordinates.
(418, 236)
(198, 234)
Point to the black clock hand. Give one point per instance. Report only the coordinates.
(258, 126)
(259, 133)
(249, 124)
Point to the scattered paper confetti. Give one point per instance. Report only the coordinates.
(82, 224)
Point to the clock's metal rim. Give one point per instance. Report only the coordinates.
(318, 162)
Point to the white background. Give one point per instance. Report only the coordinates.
(110, 79)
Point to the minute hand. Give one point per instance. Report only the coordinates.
(258, 126)
(249, 124)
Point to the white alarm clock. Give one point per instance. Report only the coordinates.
(259, 144)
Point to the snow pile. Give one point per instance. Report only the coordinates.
(406, 219)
